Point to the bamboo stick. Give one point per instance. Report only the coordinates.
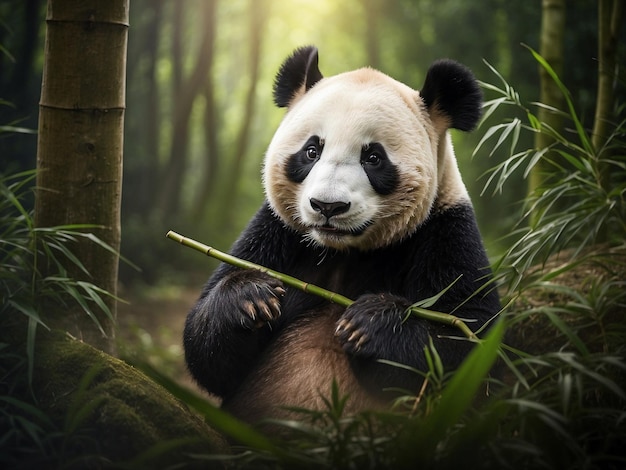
(310, 288)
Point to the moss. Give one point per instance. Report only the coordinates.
(108, 409)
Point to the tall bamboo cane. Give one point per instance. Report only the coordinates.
(291, 281)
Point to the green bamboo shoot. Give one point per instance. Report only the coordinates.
(313, 289)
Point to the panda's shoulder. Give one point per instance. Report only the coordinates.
(456, 220)
(265, 234)
(265, 220)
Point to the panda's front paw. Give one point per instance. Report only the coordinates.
(256, 297)
(368, 326)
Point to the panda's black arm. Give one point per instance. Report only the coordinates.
(226, 330)
(447, 246)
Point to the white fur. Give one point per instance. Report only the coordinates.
(348, 111)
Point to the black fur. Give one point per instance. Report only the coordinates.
(382, 174)
(223, 343)
(301, 162)
(452, 89)
(300, 69)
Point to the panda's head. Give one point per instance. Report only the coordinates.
(360, 160)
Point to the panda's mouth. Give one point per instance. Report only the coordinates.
(332, 230)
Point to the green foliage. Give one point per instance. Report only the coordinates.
(90, 410)
(24, 294)
(581, 201)
(23, 248)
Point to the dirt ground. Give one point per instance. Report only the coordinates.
(150, 328)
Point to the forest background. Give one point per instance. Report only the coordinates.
(199, 113)
(198, 117)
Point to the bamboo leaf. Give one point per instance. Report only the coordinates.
(437, 364)
(458, 393)
(534, 160)
(601, 379)
(78, 297)
(490, 132)
(582, 134)
(430, 301)
(93, 292)
(18, 130)
(553, 419)
(491, 106)
(567, 331)
(579, 164)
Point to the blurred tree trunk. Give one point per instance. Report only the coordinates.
(153, 122)
(373, 12)
(186, 93)
(177, 50)
(141, 171)
(20, 42)
(23, 70)
(258, 17)
(551, 49)
(79, 154)
(211, 160)
(610, 17)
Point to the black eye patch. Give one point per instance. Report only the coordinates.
(301, 162)
(383, 174)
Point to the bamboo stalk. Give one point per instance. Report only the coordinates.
(310, 288)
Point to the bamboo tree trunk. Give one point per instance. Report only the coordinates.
(79, 151)
(153, 121)
(551, 49)
(610, 16)
(211, 161)
(258, 17)
(173, 175)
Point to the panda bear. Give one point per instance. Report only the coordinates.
(363, 198)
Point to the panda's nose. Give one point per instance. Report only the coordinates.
(329, 209)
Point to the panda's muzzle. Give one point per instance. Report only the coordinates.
(329, 209)
(332, 209)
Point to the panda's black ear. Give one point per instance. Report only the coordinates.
(451, 89)
(298, 73)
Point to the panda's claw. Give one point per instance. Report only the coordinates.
(362, 340)
(267, 312)
(365, 327)
(255, 296)
(248, 308)
(339, 327)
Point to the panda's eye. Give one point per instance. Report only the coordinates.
(372, 154)
(373, 159)
(311, 152)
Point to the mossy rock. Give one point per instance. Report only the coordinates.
(112, 414)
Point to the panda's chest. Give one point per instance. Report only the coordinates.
(352, 274)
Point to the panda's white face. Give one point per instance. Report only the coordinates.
(354, 162)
